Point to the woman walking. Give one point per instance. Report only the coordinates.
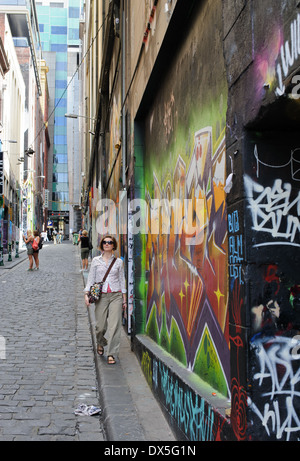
(108, 310)
(85, 249)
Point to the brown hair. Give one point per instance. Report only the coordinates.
(112, 238)
(36, 233)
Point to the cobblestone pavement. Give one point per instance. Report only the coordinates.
(46, 355)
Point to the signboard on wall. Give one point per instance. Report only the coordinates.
(46, 198)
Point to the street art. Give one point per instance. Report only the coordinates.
(146, 367)
(275, 61)
(265, 63)
(237, 343)
(278, 377)
(187, 284)
(289, 53)
(195, 418)
(276, 389)
(235, 249)
(273, 208)
(189, 410)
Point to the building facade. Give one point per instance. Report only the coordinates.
(12, 140)
(22, 123)
(59, 31)
(194, 167)
(4, 68)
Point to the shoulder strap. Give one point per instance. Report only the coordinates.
(108, 270)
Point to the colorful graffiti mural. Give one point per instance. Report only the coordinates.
(187, 284)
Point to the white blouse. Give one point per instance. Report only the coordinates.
(115, 279)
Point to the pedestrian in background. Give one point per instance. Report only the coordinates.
(84, 241)
(28, 241)
(108, 310)
(37, 238)
(32, 244)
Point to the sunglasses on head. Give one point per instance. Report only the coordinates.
(107, 242)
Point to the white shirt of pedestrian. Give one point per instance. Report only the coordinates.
(115, 279)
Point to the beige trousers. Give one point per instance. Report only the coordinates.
(108, 314)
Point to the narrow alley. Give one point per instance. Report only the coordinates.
(47, 363)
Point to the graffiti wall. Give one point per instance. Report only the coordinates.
(272, 216)
(193, 418)
(186, 241)
(262, 144)
(237, 315)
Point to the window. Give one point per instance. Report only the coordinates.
(73, 34)
(74, 12)
(60, 158)
(61, 84)
(60, 139)
(60, 196)
(60, 48)
(62, 66)
(60, 177)
(60, 102)
(59, 30)
(60, 121)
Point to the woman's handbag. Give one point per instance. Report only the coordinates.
(96, 288)
(35, 245)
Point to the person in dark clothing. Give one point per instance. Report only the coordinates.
(85, 248)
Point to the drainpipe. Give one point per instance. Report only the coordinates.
(124, 143)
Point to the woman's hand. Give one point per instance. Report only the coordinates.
(124, 309)
(86, 300)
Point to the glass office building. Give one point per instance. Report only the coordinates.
(59, 34)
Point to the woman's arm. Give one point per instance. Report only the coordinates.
(123, 284)
(30, 239)
(90, 281)
(122, 277)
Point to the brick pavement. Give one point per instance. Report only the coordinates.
(47, 366)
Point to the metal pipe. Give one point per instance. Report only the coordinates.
(124, 140)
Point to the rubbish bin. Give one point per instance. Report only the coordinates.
(75, 239)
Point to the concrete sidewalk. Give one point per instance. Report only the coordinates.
(15, 261)
(129, 409)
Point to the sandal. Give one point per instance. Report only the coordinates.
(100, 351)
(111, 360)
